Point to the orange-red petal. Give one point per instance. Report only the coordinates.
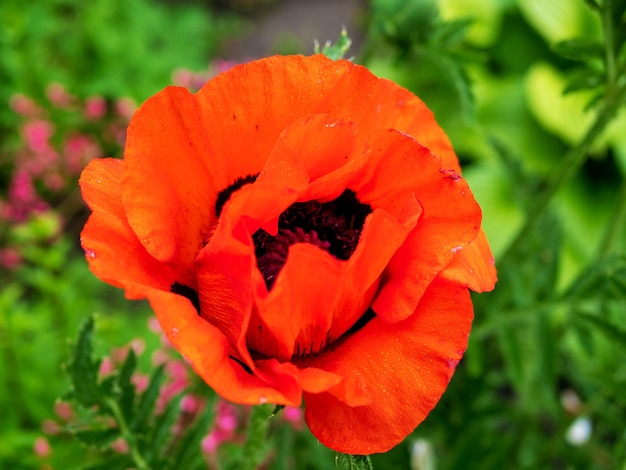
(404, 367)
(209, 353)
(168, 190)
(450, 219)
(473, 266)
(112, 249)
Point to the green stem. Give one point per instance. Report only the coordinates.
(253, 453)
(607, 24)
(616, 223)
(570, 164)
(127, 435)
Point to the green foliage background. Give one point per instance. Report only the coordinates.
(494, 72)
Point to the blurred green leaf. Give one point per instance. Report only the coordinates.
(580, 49)
(614, 332)
(97, 437)
(605, 279)
(115, 462)
(584, 79)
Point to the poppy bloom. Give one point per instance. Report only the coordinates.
(302, 232)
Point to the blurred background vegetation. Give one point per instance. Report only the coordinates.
(542, 384)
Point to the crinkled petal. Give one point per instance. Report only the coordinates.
(473, 266)
(404, 367)
(450, 219)
(112, 249)
(210, 354)
(169, 192)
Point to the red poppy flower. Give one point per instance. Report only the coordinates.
(302, 231)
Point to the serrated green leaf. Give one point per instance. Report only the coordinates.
(335, 51)
(579, 49)
(355, 462)
(187, 450)
(125, 387)
(97, 437)
(83, 370)
(148, 400)
(155, 444)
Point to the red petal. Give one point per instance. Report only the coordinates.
(373, 103)
(308, 149)
(405, 368)
(112, 249)
(168, 190)
(473, 266)
(209, 353)
(450, 220)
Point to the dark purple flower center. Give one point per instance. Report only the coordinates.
(334, 226)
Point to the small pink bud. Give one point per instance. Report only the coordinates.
(58, 96)
(293, 415)
(209, 443)
(189, 404)
(154, 325)
(106, 366)
(10, 258)
(23, 105)
(140, 381)
(120, 445)
(50, 427)
(64, 410)
(41, 447)
(138, 345)
(95, 107)
(125, 108)
(159, 357)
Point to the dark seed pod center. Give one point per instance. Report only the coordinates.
(334, 226)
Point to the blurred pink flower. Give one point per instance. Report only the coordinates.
(58, 96)
(120, 445)
(95, 108)
(294, 415)
(10, 258)
(125, 108)
(106, 366)
(41, 447)
(190, 404)
(78, 150)
(140, 381)
(23, 105)
(64, 410)
(50, 427)
(37, 133)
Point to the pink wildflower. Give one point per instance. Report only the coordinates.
(95, 108)
(58, 96)
(64, 410)
(36, 135)
(41, 447)
(23, 105)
